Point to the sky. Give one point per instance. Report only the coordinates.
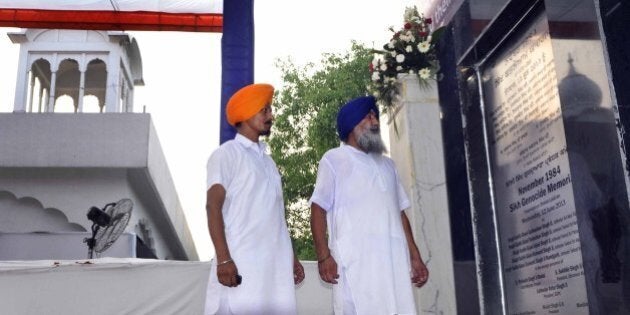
(182, 74)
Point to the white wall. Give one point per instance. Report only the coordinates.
(71, 162)
(313, 296)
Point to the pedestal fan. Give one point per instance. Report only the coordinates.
(108, 224)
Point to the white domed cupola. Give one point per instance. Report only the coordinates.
(578, 93)
(79, 71)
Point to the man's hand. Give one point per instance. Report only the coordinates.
(298, 271)
(227, 274)
(419, 273)
(328, 270)
(226, 268)
(326, 263)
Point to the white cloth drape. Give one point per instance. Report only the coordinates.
(102, 286)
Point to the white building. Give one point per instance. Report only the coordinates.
(73, 142)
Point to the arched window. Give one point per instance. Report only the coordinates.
(39, 85)
(67, 83)
(95, 85)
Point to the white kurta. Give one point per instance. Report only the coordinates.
(255, 230)
(363, 198)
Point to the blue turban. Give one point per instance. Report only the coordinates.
(352, 113)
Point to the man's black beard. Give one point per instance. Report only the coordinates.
(370, 141)
(266, 132)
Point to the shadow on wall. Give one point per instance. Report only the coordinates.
(27, 214)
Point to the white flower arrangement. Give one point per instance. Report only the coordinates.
(411, 50)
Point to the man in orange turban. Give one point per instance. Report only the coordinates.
(254, 270)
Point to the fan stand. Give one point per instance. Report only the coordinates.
(91, 242)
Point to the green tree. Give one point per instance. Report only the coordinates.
(305, 111)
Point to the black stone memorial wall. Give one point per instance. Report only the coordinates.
(545, 164)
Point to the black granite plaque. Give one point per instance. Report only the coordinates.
(535, 209)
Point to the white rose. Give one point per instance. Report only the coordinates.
(398, 68)
(424, 73)
(375, 76)
(400, 58)
(408, 48)
(411, 72)
(424, 46)
(383, 67)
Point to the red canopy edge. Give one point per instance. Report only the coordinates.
(112, 20)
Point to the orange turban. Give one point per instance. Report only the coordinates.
(248, 101)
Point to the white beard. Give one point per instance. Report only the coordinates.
(370, 141)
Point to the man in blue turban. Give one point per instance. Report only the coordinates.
(359, 200)
(352, 113)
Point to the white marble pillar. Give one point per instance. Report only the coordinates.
(82, 70)
(31, 88)
(54, 67)
(50, 106)
(129, 101)
(40, 101)
(416, 146)
(44, 100)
